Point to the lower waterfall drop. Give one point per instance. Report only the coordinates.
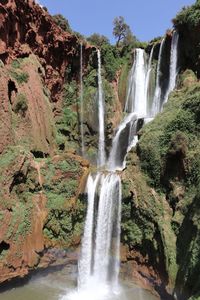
(99, 264)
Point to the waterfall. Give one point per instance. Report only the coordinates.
(108, 223)
(100, 254)
(85, 263)
(136, 95)
(157, 96)
(99, 263)
(81, 100)
(147, 82)
(120, 147)
(173, 70)
(101, 150)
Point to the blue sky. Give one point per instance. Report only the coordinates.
(147, 18)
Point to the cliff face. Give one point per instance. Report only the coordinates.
(42, 178)
(187, 22)
(26, 28)
(40, 203)
(161, 210)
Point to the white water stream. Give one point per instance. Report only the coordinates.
(157, 95)
(99, 263)
(81, 101)
(173, 70)
(101, 151)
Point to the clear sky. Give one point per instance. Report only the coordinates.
(147, 18)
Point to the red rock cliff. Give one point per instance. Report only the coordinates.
(26, 28)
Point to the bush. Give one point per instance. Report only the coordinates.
(21, 104)
(189, 15)
(70, 93)
(21, 77)
(150, 155)
(62, 22)
(111, 61)
(172, 139)
(98, 40)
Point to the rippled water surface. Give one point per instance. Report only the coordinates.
(58, 284)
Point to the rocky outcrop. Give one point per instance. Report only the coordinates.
(161, 193)
(187, 23)
(148, 240)
(39, 208)
(41, 188)
(27, 112)
(27, 28)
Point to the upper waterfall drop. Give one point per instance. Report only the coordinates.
(156, 105)
(148, 95)
(101, 147)
(173, 70)
(136, 95)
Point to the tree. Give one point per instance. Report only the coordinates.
(121, 30)
(129, 39)
(98, 39)
(62, 22)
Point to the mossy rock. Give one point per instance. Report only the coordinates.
(187, 78)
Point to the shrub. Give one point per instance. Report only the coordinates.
(70, 93)
(21, 104)
(16, 64)
(189, 15)
(110, 61)
(62, 22)
(98, 40)
(19, 76)
(91, 79)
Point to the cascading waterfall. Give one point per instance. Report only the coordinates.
(100, 254)
(147, 83)
(98, 267)
(120, 147)
(136, 95)
(81, 100)
(108, 224)
(157, 96)
(101, 150)
(173, 70)
(85, 263)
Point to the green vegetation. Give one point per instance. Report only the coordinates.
(98, 40)
(67, 123)
(122, 32)
(20, 76)
(111, 61)
(65, 223)
(16, 64)
(21, 105)
(66, 215)
(173, 138)
(70, 92)
(20, 223)
(146, 220)
(189, 15)
(62, 22)
(9, 156)
(169, 152)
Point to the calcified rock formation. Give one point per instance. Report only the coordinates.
(33, 58)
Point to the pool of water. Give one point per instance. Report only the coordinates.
(61, 284)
